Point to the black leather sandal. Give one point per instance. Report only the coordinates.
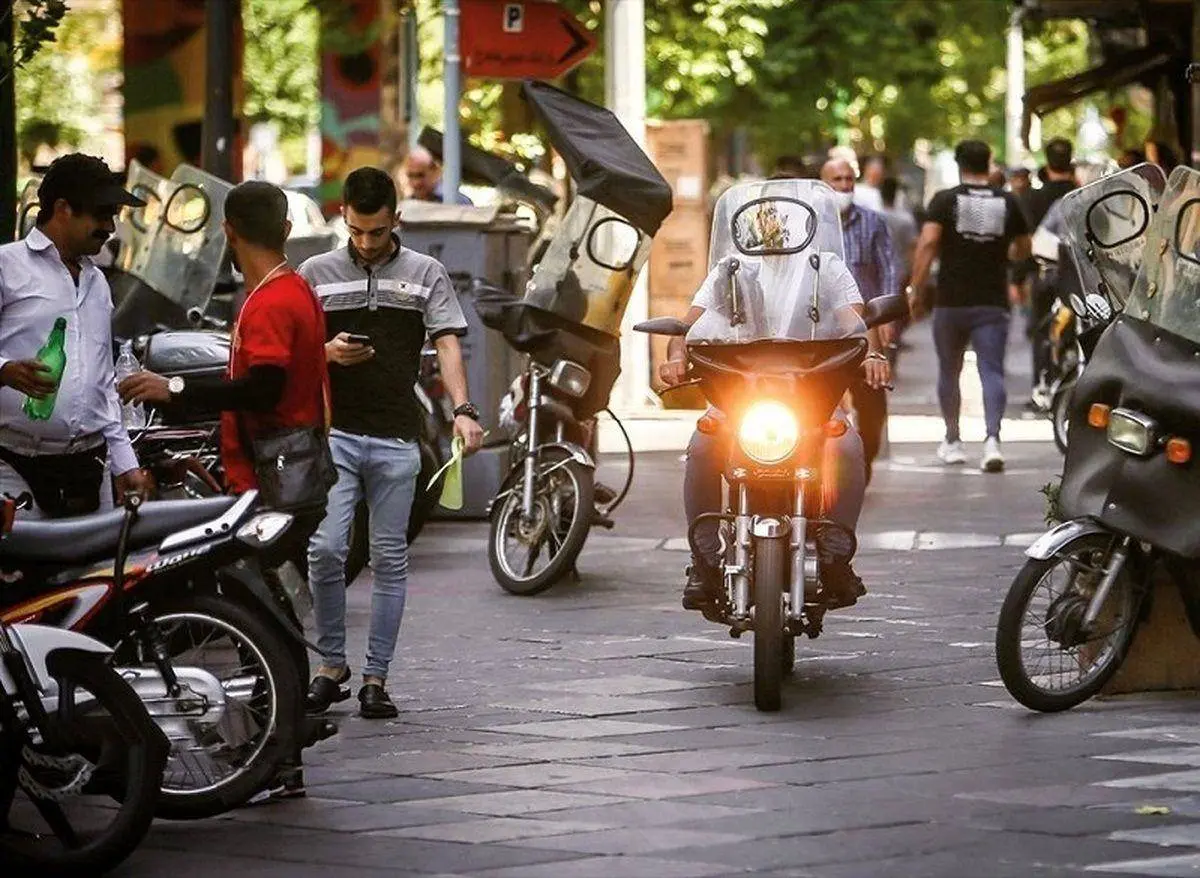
(324, 691)
(374, 703)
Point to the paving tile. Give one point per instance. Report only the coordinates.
(539, 775)
(590, 705)
(513, 803)
(582, 729)
(611, 867)
(553, 750)
(631, 841)
(651, 785)
(618, 684)
(494, 829)
(1176, 866)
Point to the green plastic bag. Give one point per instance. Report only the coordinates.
(452, 488)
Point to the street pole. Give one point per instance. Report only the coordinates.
(1015, 98)
(625, 95)
(8, 124)
(410, 67)
(217, 152)
(451, 152)
(1195, 87)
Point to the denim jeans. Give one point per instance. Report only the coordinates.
(844, 483)
(385, 472)
(984, 328)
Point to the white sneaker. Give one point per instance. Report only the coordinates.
(951, 453)
(993, 460)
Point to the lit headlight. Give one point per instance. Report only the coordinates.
(264, 528)
(1132, 432)
(769, 432)
(571, 378)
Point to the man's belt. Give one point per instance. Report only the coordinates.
(37, 446)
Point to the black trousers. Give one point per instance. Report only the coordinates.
(871, 408)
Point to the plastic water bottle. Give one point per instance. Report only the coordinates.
(133, 415)
(53, 355)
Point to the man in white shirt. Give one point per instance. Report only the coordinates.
(46, 277)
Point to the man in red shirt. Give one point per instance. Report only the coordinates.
(277, 376)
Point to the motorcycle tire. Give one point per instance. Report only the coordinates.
(1060, 416)
(282, 740)
(1010, 633)
(770, 572)
(582, 480)
(789, 654)
(132, 737)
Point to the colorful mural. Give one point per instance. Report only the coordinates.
(352, 65)
(164, 82)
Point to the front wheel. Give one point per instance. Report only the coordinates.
(81, 803)
(238, 712)
(1048, 659)
(770, 570)
(527, 556)
(1060, 416)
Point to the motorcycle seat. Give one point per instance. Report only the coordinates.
(94, 537)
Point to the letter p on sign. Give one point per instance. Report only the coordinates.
(514, 18)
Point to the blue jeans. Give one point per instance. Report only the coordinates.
(385, 472)
(845, 485)
(985, 328)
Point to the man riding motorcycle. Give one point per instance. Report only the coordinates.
(845, 484)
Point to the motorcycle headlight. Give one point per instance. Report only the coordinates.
(769, 432)
(1132, 432)
(264, 529)
(571, 378)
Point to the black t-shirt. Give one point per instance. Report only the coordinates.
(978, 223)
(1035, 203)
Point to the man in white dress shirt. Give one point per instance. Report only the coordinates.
(47, 276)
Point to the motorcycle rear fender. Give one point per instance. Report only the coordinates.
(247, 575)
(1056, 539)
(37, 642)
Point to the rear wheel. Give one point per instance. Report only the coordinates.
(1060, 416)
(81, 804)
(1047, 658)
(770, 557)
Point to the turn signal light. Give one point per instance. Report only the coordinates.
(1099, 414)
(708, 425)
(1179, 450)
(835, 429)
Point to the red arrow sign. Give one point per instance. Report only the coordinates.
(530, 40)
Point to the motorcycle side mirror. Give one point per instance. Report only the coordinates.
(885, 309)
(662, 326)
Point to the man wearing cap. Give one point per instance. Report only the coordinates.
(47, 276)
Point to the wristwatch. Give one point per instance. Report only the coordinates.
(175, 386)
(468, 410)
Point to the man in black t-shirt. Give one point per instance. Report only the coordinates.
(976, 229)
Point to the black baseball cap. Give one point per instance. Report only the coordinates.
(86, 182)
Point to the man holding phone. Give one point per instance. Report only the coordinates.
(381, 301)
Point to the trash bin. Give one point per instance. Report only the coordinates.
(476, 242)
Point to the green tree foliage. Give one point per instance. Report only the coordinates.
(280, 72)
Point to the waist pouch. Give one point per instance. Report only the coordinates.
(62, 485)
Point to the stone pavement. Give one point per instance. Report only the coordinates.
(600, 730)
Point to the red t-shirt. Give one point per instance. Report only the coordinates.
(281, 324)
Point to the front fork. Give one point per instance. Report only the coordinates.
(535, 394)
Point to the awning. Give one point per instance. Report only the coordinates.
(1119, 70)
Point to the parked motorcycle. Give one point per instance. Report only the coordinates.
(211, 645)
(81, 760)
(775, 360)
(1073, 610)
(568, 324)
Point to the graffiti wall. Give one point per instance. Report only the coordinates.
(164, 82)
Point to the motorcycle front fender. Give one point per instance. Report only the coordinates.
(247, 575)
(37, 643)
(576, 452)
(1056, 539)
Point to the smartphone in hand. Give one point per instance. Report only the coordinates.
(354, 338)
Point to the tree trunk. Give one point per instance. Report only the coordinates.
(8, 124)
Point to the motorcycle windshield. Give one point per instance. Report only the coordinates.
(776, 268)
(1167, 290)
(27, 208)
(136, 226)
(588, 271)
(188, 245)
(1105, 224)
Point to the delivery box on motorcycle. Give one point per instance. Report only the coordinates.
(1136, 412)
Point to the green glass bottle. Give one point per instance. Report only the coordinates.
(53, 355)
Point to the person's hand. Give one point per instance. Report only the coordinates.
(878, 372)
(344, 352)
(471, 433)
(136, 481)
(27, 377)
(887, 334)
(673, 372)
(144, 387)
(916, 308)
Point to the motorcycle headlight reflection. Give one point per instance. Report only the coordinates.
(769, 432)
(264, 528)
